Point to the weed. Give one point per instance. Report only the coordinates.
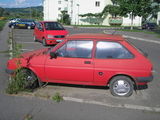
(28, 117)
(16, 84)
(57, 98)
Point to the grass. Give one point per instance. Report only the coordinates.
(57, 97)
(2, 23)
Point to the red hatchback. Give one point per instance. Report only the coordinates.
(49, 33)
(88, 59)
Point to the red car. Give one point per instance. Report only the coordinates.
(49, 33)
(88, 59)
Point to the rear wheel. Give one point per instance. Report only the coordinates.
(121, 86)
(44, 42)
(34, 38)
(28, 27)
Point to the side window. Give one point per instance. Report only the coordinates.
(76, 49)
(112, 50)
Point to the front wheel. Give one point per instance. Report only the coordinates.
(121, 86)
(44, 42)
(28, 78)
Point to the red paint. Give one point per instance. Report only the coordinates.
(86, 71)
(41, 32)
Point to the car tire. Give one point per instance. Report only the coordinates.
(121, 86)
(29, 27)
(30, 80)
(34, 38)
(44, 42)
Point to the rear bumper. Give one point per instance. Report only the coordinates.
(144, 79)
(10, 71)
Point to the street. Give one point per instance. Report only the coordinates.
(87, 103)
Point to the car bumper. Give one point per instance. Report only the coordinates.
(10, 71)
(144, 79)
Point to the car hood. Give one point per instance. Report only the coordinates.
(57, 32)
(31, 54)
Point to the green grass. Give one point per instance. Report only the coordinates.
(2, 23)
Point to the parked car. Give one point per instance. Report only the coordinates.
(22, 23)
(49, 33)
(87, 59)
(149, 26)
(13, 20)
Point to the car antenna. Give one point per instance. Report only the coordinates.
(114, 32)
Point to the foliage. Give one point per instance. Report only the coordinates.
(16, 84)
(130, 8)
(65, 19)
(29, 12)
(92, 18)
(57, 97)
(114, 10)
(2, 23)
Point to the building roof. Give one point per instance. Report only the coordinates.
(96, 36)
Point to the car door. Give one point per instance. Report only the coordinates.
(73, 64)
(111, 58)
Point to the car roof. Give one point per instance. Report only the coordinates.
(96, 36)
(47, 21)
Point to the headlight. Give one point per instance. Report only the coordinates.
(50, 36)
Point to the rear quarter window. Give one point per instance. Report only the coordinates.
(112, 50)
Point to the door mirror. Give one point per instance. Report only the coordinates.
(41, 29)
(53, 55)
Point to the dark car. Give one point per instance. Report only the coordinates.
(149, 26)
(23, 23)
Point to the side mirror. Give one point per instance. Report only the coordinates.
(145, 54)
(53, 55)
(41, 29)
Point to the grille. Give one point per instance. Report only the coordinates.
(59, 36)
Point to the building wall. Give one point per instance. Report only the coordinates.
(53, 8)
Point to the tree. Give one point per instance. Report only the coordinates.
(129, 8)
(1, 11)
(65, 19)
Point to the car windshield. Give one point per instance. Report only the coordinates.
(53, 26)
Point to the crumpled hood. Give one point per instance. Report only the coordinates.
(34, 53)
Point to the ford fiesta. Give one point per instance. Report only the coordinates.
(87, 59)
(49, 33)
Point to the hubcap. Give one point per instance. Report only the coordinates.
(121, 87)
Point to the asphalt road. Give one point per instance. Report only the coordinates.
(18, 107)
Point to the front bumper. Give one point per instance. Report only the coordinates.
(144, 79)
(10, 71)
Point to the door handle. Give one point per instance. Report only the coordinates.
(87, 62)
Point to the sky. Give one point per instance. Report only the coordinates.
(19, 3)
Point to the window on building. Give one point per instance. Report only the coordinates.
(97, 3)
(59, 2)
(59, 8)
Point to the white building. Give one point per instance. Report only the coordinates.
(53, 8)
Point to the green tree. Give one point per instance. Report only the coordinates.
(1, 11)
(65, 19)
(130, 8)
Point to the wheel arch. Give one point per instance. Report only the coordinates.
(132, 79)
